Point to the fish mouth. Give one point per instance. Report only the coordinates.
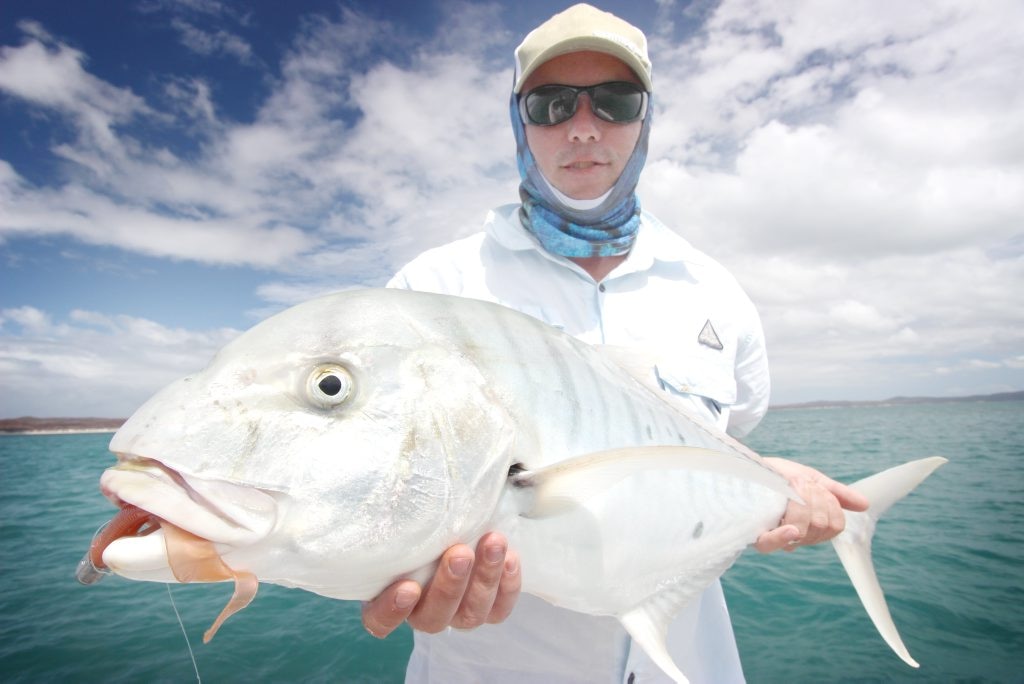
(174, 527)
(157, 503)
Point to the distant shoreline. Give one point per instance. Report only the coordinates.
(903, 401)
(31, 425)
(68, 431)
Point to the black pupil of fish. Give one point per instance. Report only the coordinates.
(330, 385)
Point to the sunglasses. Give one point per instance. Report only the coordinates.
(615, 101)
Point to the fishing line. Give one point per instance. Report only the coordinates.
(184, 633)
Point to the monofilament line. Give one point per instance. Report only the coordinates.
(184, 633)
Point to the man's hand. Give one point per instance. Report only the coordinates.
(822, 517)
(467, 590)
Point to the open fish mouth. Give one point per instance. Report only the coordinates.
(174, 527)
(154, 500)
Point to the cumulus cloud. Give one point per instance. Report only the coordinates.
(347, 155)
(90, 363)
(903, 324)
(859, 166)
(841, 127)
(124, 192)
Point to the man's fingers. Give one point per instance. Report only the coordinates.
(818, 519)
(849, 498)
(784, 537)
(508, 589)
(390, 609)
(467, 590)
(443, 595)
(483, 584)
(821, 519)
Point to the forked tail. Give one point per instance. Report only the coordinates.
(854, 544)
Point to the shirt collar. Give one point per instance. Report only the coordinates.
(654, 241)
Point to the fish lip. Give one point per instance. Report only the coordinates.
(222, 512)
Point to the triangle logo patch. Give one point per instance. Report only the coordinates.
(709, 338)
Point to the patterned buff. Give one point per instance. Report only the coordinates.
(608, 229)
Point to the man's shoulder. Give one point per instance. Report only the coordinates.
(455, 249)
(436, 268)
(442, 268)
(669, 246)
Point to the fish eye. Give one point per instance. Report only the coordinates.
(329, 385)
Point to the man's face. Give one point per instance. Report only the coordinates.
(584, 156)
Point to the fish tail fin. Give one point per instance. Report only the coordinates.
(854, 544)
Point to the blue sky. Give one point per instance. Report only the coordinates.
(173, 171)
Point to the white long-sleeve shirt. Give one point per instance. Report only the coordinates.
(675, 306)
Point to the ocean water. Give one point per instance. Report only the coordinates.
(950, 557)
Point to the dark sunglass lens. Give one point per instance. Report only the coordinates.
(618, 102)
(550, 105)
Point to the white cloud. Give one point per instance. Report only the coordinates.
(92, 363)
(52, 75)
(859, 166)
(912, 313)
(100, 220)
(29, 318)
(413, 169)
(212, 42)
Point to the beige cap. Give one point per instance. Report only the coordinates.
(582, 27)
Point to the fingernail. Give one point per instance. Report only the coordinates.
(405, 599)
(511, 566)
(494, 554)
(459, 566)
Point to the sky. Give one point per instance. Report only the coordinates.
(173, 171)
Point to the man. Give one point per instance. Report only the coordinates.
(578, 253)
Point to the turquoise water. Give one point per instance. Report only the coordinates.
(950, 558)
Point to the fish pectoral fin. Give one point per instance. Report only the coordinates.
(854, 544)
(563, 486)
(648, 625)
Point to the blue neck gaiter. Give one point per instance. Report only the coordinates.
(609, 229)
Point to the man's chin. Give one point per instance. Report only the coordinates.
(584, 184)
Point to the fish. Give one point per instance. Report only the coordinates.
(347, 441)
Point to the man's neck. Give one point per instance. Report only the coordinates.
(599, 267)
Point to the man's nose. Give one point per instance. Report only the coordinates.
(584, 126)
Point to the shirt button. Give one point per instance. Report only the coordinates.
(631, 678)
(601, 287)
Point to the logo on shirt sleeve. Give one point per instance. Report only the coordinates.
(708, 337)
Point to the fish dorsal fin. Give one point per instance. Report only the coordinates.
(648, 625)
(562, 486)
(854, 544)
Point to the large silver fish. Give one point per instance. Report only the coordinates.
(348, 441)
